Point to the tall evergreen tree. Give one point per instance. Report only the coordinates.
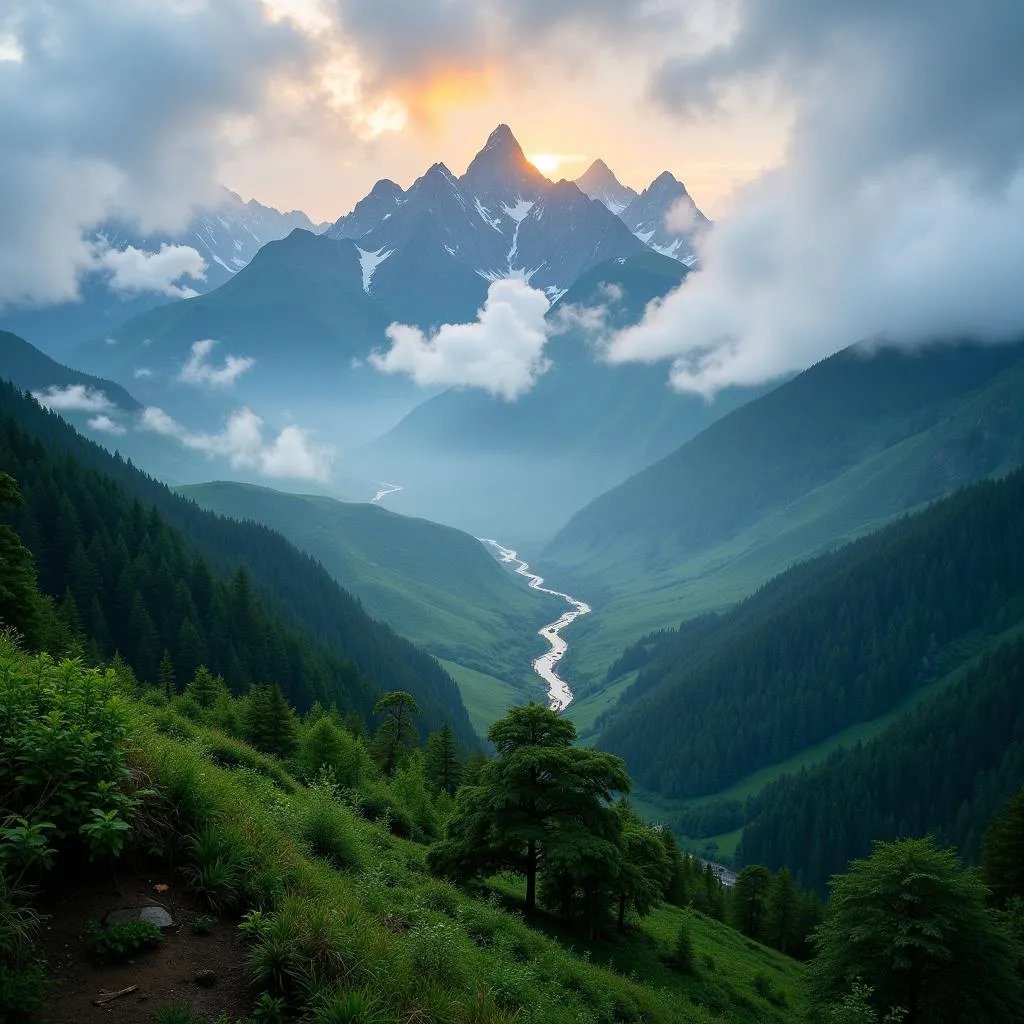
(540, 804)
(165, 676)
(912, 925)
(19, 602)
(270, 723)
(1003, 852)
(397, 730)
(749, 901)
(441, 761)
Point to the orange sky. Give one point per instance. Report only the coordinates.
(586, 113)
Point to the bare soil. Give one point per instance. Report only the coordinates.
(164, 976)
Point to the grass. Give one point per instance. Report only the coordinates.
(437, 586)
(486, 697)
(633, 595)
(372, 921)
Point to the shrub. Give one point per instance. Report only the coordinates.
(217, 870)
(328, 830)
(350, 1006)
(116, 943)
(177, 1013)
(434, 951)
(21, 993)
(683, 957)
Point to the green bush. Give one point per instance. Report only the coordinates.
(329, 831)
(683, 957)
(116, 943)
(63, 732)
(22, 992)
(217, 869)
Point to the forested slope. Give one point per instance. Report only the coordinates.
(74, 490)
(839, 640)
(944, 769)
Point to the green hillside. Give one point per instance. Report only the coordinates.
(145, 570)
(831, 455)
(434, 584)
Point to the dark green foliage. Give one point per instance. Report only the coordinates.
(270, 723)
(683, 957)
(217, 869)
(543, 808)
(19, 602)
(945, 767)
(22, 993)
(116, 537)
(913, 926)
(839, 640)
(325, 745)
(441, 761)
(1002, 860)
(116, 943)
(748, 901)
(397, 731)
(327, 828)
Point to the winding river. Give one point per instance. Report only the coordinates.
(559, 694)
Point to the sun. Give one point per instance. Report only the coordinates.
(546, 163)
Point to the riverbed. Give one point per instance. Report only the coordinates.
(559, 694)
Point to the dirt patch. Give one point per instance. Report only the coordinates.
(164, 976)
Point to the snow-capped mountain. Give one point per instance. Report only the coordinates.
(599, 182)
(447, 237)
(665, 217)
(227, 236)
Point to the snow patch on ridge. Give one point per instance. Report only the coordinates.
(369, 261)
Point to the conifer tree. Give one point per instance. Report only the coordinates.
(270, 722)
(205, 688)
(912, 925)
(1003, 853)
(397, 729)
(782, 913)
(749, 899)
(541, 804)
(19, 603)
(165, 676)
(441, 761)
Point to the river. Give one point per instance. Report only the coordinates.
(559, 694)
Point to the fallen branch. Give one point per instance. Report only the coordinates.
(108, 997)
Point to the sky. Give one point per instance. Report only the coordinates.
(864, 162)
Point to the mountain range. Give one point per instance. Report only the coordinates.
(226, 235)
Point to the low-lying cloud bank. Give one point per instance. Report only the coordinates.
(502, 352)
(897, 214)
(292, 453)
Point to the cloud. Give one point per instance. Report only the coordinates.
(134, 270)
(142, 372)
(106, 425)
(198, 371)
(126, 111)
(292, 453)
(896, 214)
(73, 398)
(414, 46)
(502, 352)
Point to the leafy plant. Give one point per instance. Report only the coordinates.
(269, 1009)
(176, 1013)
(217, 872)
(24, 845)
(115, 943)
(21, 993)
(203, 924)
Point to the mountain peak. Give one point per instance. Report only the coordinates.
(501, 167)
(666, 181)
(599, 182)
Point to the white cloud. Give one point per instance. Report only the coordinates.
(134, 270)
(198, 371)
(292, 453)
(106, 425)
(142, 372)
(896, 215)
(127, 111)
(502, 352)
(73, 398)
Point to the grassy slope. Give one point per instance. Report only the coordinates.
(435, 585)
(637, 597)
(434, 963)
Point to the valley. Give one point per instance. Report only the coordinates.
(471, 584)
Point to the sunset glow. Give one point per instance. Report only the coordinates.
(549, 163)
